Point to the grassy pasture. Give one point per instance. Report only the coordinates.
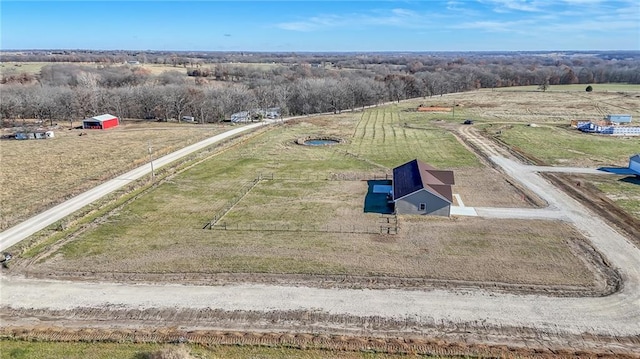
(35, 174)
(559, 107)
(33, 68)
(161, 232)
(14, 68)
(13, 349)
(564, 146)
(617, 87)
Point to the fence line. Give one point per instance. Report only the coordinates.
(387, 224)
(349, 176)
(243, 192)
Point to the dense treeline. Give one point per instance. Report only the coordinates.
(218, 85)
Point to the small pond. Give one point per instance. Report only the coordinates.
(318, 142)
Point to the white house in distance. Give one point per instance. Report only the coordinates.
(101, 122)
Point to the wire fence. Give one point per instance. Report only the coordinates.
(237, 198)
(386, 225)
(310, 177)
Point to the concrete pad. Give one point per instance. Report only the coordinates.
(458, 200)
(463, 211)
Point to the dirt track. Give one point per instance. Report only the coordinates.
(553, 319)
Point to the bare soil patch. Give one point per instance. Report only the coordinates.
(486, 187)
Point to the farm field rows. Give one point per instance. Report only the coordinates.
(322, 187)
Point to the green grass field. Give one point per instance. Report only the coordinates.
(162, 231)
(10, 349)
(565, 146)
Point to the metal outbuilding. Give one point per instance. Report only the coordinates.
(619, 118)
(419, 188)
(101, 122)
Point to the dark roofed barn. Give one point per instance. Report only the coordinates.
(419, 188)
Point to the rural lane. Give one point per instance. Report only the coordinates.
(616, 314)
(36, 223)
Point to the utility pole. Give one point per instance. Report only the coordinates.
(153, 175)
(454, 110)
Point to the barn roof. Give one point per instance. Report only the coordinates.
(100, 118)
(416, 175)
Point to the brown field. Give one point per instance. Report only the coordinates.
(481, 251)
(289, 227)
(538, 107)
(35, 174)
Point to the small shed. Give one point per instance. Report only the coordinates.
(619, 118)
(419, 188)
(634, 164)
(101, 122)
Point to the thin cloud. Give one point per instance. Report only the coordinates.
(495, 26)
(510, 5)
(398, 17)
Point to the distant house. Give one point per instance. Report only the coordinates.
(618, 118)
(634, 164)
(239, 117)
(419, 188)
(101, 122)
(273, 112)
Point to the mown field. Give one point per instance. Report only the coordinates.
(10, 349)
(33, 68)
(505, 113)
(321, 187)
(562, 145)
(617, 87)
(36, 174)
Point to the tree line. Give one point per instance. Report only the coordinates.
(298, 85)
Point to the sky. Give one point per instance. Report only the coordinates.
(322, 26)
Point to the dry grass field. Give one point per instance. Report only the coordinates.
(161, 232)
(46, 350)
(36, 174)
(505, 114)
(520, 105)
(33, 68)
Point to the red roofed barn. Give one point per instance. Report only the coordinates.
(101, 122)
(421, 189)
